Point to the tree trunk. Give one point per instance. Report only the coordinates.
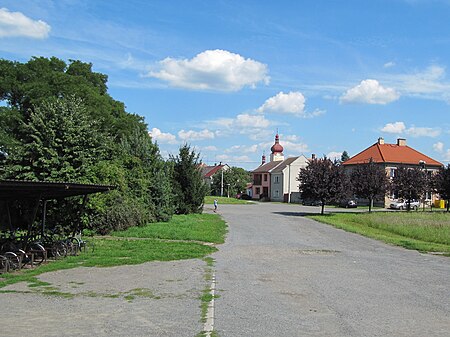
(370, 204)
(323, 206)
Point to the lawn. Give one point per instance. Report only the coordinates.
(426, 232)
(148, 246)
(197, 227)
(209, 200)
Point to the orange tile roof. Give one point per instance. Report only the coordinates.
(391, 153)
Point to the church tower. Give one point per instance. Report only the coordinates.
(277, 150)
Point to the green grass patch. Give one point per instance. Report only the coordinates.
(209, 200)
(114, 252)
(198, 227)
(426, 232)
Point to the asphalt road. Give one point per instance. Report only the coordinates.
(281, 274)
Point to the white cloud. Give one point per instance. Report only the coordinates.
(389, 64)
(423, 132)
(290, 103)
(251, 121)
(438, 147)
(195, 135)
(397, 127)
(212, 70)
(209, 148)
(334, 155)
(161, 137)
(293, 148)
(242, 149)
(371, 92)
(14, 24)
(224, 158)
(447, 156)
(413, 131)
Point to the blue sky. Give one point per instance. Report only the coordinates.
(224, 76)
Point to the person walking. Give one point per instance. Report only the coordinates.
(215, 205)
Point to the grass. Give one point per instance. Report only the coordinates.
(425, 232)
(126, 250)
(198, 227)
(209, 200)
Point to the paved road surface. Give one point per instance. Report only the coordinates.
(281, 274)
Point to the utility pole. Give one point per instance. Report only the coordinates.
(221, 182)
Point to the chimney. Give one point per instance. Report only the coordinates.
(263, 161)
(381, 140)
(313, 156)
(401, 142)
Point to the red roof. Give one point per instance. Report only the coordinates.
(391, 153)
(209, 171)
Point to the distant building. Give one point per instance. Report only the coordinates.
(209, 171)
(391, 157)
(277, 179)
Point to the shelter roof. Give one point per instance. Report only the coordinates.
(267, 167)
(44, 190)
(284, 164)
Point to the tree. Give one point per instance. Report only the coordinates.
(344, 156)
(441, 182)
(369, 181)
(188, 185)
(409, 183)
(322, 180)
(235, 179)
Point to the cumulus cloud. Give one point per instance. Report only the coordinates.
(290, 103)
(209, 148)
(389, 64)
(438, 147)
(413, 131)
(423, 132)
(397, 128)
(162, 137)
(224, 158)
(447, 156)
(251, 121)
(371, 92)
(242, 149)
(195, 135)
(15, 24)
(212, 70)
(334, 155)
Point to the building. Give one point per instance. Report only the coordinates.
(391, 157)
(277, 179)
(209, 171)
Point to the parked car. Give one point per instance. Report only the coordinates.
(243, 196)
(310, 202)
(348, 203)
(403, 204)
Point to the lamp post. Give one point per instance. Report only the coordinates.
(228, 190)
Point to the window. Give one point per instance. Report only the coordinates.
(277, 180)
(392, 172)
(258, 190)
(265, 177)
(276, 193)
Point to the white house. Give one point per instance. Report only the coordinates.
(284, 183)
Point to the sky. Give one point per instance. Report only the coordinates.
(226, 76)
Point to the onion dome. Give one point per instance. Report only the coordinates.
(277, 148)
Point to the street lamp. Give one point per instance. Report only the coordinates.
(423, 165)
(228, 190)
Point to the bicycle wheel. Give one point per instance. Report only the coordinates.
(73, 245)
(59, 249)
(87, 246)
(4, 264)
(14, 260)
(40, 254)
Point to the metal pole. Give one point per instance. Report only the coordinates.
(44, 214)
(221, 183)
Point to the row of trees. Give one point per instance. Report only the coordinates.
(60, 124)
(327, 181)
(230, 182)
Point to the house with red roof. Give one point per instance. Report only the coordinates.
(209, 171)
(393, 156)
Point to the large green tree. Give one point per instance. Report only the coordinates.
(409, 183)
(324, 180)
(235, 181)
(369, 181)
(441, 182)
(189, 187)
